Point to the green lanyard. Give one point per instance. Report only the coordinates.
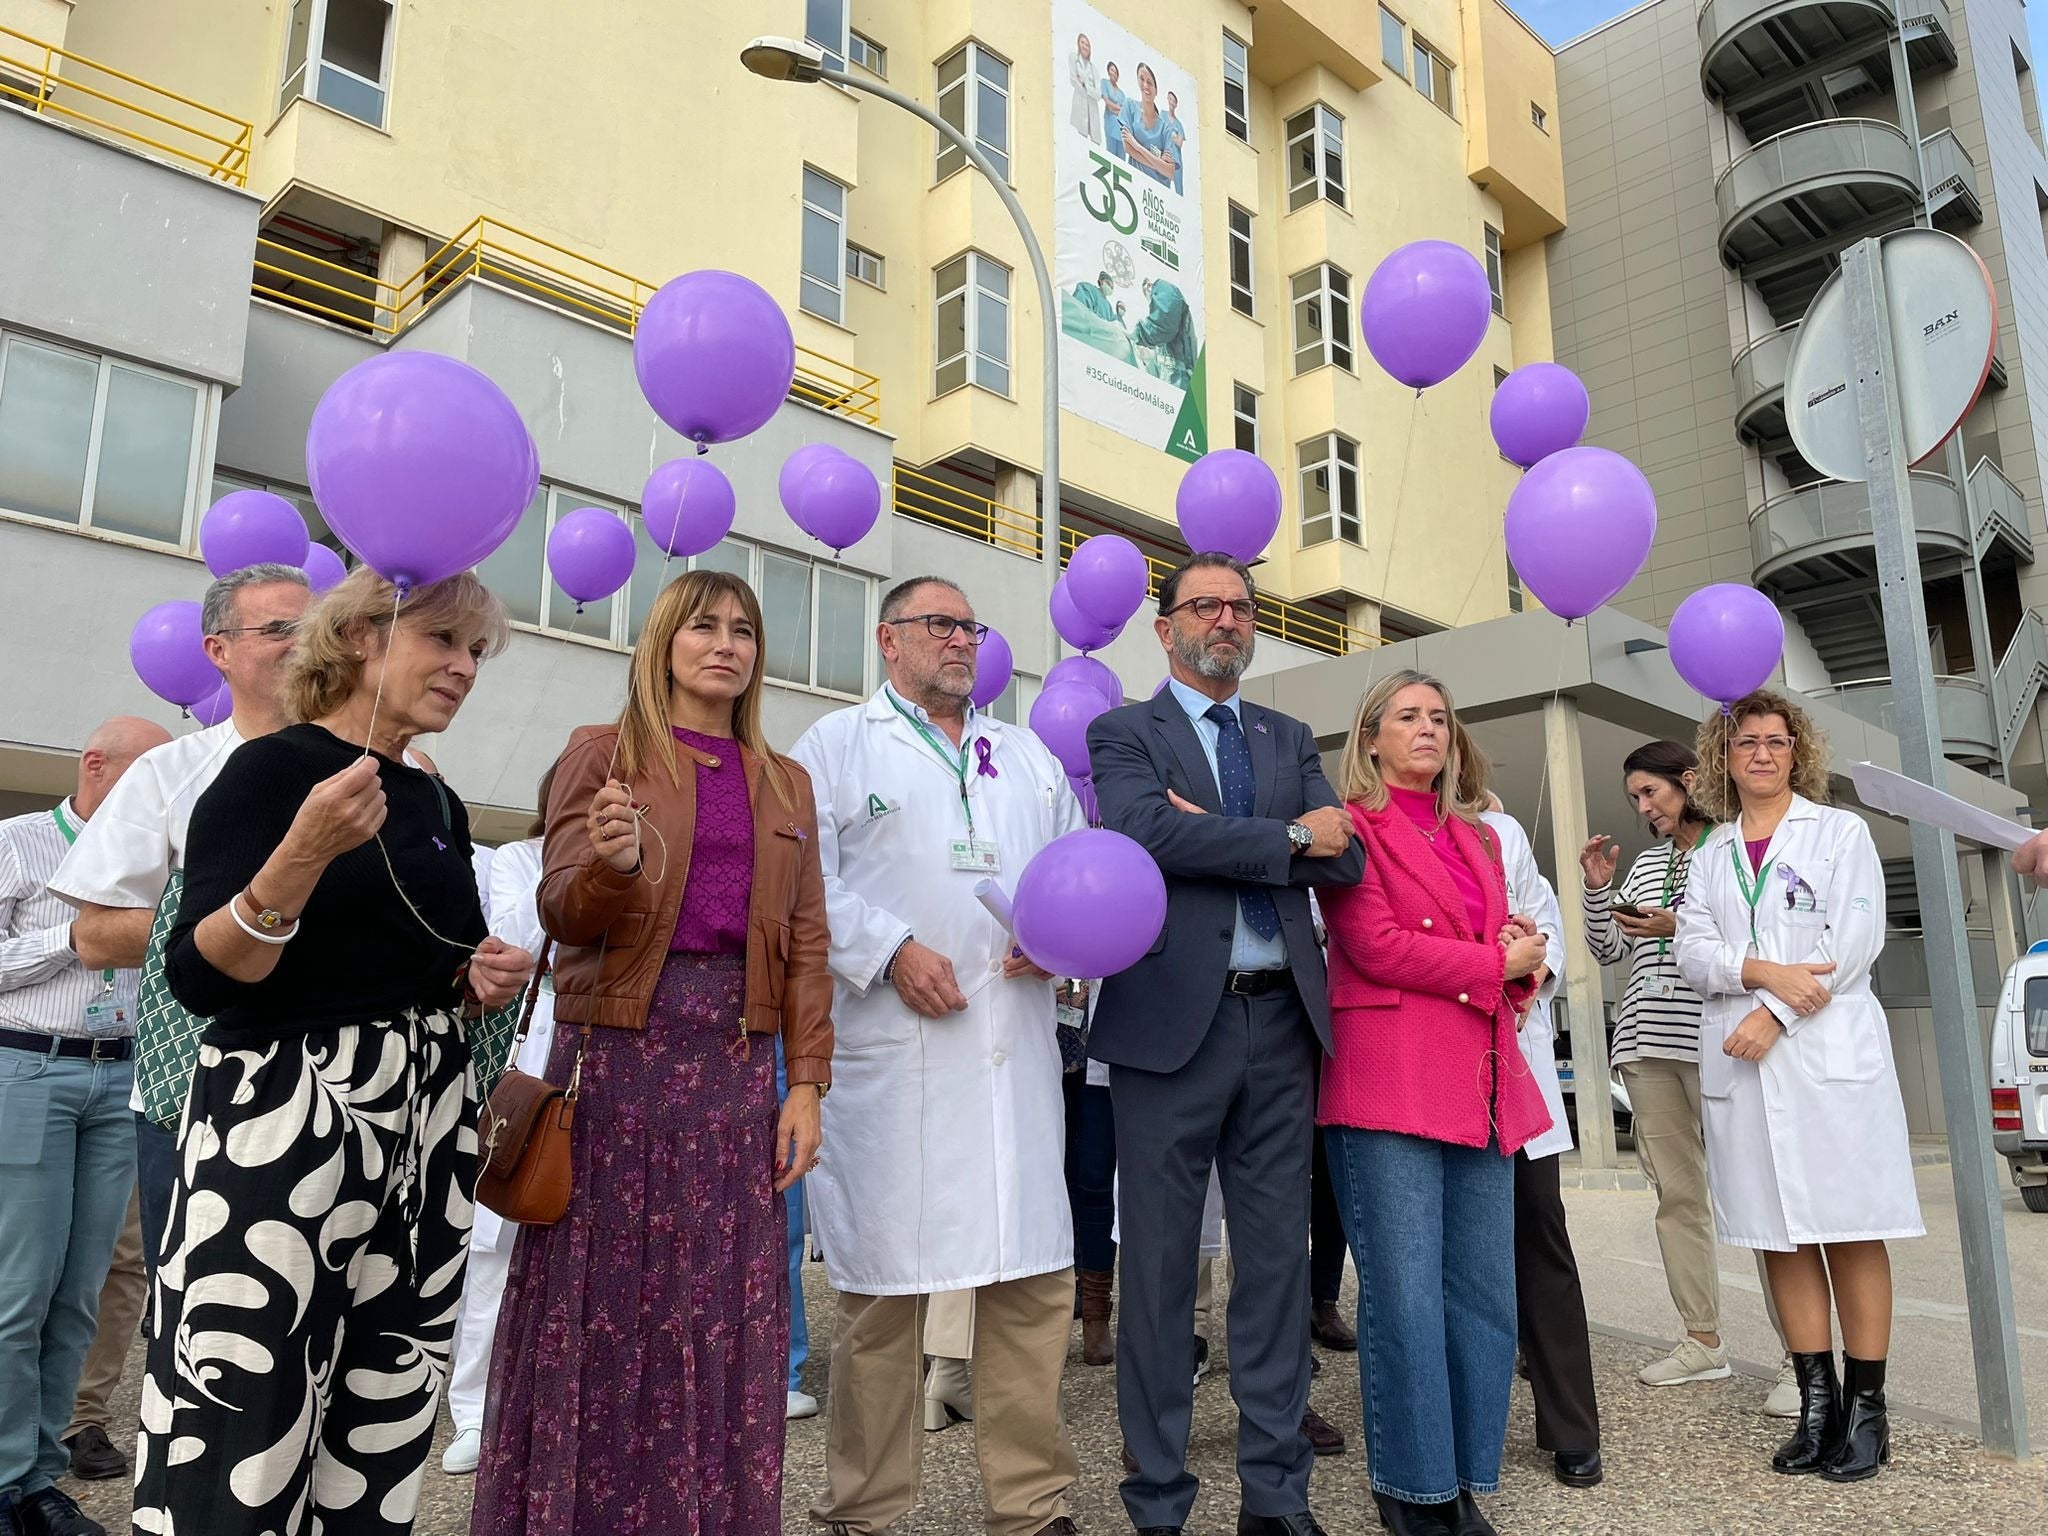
(1752, 894)
(958, 767)
(1671, 877)
(70, 838)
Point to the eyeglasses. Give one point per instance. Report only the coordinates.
(940, 626)
(276, 629)
(1209, 609)
(1745, 746)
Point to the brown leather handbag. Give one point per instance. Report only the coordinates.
(523, 1133)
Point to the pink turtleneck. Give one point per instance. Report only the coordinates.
(1420, 807)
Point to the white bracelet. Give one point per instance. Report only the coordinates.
(258, 934)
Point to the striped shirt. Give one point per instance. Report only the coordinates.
(1659, 1014)
(43, 988)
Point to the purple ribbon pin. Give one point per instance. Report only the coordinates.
(982, 749)
(443, 847)
(1259, 726)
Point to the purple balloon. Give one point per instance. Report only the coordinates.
(1229, 501)
(1579, 527)
(1108, 578)
(1084, 791)
(169, 655)
(590, 554)
(1089, 672)
(248, 528)
(1727, 640)
(688, 506)
(420, 465)
(215, 708)
(1426, 310)
(839, 500)
(714, 355)
(992, 667)
(323, 567)
(789, 482)
(1089, 904)
(1539, 409)
(1060, 717)
(1074, 626)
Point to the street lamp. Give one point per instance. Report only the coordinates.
(785, 58)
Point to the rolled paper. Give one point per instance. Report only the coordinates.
(997, 904)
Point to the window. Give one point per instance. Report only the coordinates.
(1240, 260)
(825, 25)
(1515, 600)
(1315, 157)
(92, 443)
(971, 334)
(868, 54)
(821, 290)
(1244, 411)
(1013, 705)
(1495, 278)
(863, 265)
(1393, 43)
(1329, 490)
(339, 53)
(517, 569)
(815, 623)
(1500, 377)
(1322, 318)
(1539, 117)
(1237, 74)
(2037, 1016)
(974, 97)
(1433, 76)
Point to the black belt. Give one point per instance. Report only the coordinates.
(93, 1048)
(1252, 983)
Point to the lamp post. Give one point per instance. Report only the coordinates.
(785, 58)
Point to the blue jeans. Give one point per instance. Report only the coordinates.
(793, 1202)
(1432, 1229)
(67, 1154)
(156, 1170)
(1091, 1171)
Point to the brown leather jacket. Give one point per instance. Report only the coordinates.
(612, 931)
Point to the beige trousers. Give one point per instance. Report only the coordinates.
(121, 1301)
(874, 1442)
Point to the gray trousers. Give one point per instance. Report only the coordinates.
(1245, 1102)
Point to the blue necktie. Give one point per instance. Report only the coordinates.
(1234, 776)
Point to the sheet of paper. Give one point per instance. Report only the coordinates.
(1908, 799)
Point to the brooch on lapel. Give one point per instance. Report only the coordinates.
(1259, 726)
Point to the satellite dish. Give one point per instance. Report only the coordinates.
(1944, 320)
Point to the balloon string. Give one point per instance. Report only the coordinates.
(384, 671)
(1543, 782)
(1393, 529)
(618, 738)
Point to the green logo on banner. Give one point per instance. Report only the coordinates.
(1189, 438)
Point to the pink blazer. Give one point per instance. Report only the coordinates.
(1417, 999)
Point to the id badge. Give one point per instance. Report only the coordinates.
(105, 1016)
(977, 854)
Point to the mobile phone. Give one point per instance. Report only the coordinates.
(1628, 909)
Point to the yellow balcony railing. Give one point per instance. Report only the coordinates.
(836, 386)
(979, 517)
(287, 275)
(57, 83)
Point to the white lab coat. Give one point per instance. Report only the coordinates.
(511, 908)
(944, 1139)
(1808, 1145)
(1530, 894)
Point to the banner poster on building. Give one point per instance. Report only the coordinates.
(1127, 217)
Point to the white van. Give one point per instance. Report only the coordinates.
(2019, 1075)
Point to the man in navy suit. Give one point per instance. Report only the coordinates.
(1213, 1042)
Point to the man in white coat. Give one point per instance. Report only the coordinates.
(944, 1143)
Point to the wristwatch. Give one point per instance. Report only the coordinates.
(1300, 836)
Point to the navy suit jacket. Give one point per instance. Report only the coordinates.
(1153, 1015)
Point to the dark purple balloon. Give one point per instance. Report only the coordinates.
(1108, 578)
(1727, 640)
(1539, 409)
(169, 655)
(214, 708)
(323, 568)
(840, 500)
(1074, 626)
(590, 554)
(714, 355)
(789, 481)
(1427, 307)
(1092, 672)
(1579, 527)
(1229, 501)
(1060, 717)
(247, 528)
(688, 506)
(1089, 904)
(992, 667)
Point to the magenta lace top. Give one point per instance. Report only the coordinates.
(713, 919)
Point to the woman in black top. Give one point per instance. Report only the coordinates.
(303, 1312)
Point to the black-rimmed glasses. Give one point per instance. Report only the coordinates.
(1209, 609)
(940, 626)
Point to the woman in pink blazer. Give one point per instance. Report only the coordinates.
(1424, 1103)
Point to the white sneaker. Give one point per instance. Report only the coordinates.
(801, 1405)
(1783, 1403)
(463, 1453)
(1690, 1361)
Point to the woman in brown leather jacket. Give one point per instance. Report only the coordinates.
(641, 1352)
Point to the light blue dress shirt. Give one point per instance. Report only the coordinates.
(1248, 952)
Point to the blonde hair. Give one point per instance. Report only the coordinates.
(645, 736)
(1458, 792)
(1715, 788)
(326, 665)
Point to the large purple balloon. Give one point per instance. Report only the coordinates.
(688, 506)
(1089, 904)
(1229, 501)
(714, 355)
(1579, 527)
(992, 667)
(1108, 578)
(420, 465)
(170, 655)
(1060, 717)
(248, 528)
(789, 482)
(323, 568)
(1426, 311)
(1091, 672)
(839, 500)
(1539, 409)
(1074, 626)
(215, 707)
(590, 554)
(1727, 640)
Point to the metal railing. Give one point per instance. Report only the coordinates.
(2019, 677)
(1998, 510)
(75, 89)
(835, 386)
(958, 510)
(1759, 368)
(1842, 146)
(1950, 170)
(1792, 523)
(1964, 705)
(316, 286)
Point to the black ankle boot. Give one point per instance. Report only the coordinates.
(1820, 1415)
(1404, 1519)
(1866, 1433)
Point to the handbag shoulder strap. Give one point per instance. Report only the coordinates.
(540, 971)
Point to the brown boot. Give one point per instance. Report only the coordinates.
(1098, 1344)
